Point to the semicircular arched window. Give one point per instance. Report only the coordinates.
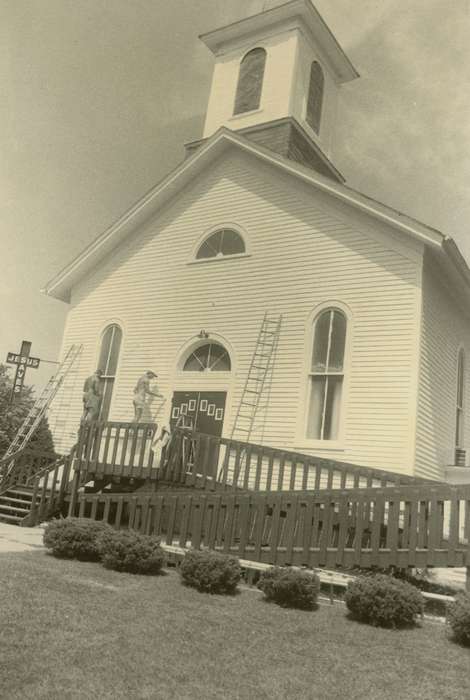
(220, 244)
(315, 96)
(250, 81)
(326, 376)
(108, 362)
(210, 357)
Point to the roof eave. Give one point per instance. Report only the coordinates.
(314, 22)
(61, 285)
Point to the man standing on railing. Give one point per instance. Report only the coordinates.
(141, 391)
(92, 397)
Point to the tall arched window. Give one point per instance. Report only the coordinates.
(210, 357)
(459, 413)
(108, 362)
(250, 81)
(326, 375)
(315, 96)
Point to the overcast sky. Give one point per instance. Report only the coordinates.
(100, 95)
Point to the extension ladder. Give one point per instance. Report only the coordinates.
(255, 384)
(35, 415)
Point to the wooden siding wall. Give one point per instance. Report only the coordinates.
(301, 255)
(444, 329)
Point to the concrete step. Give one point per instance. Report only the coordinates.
(13, 509)
(12, 519)
(8, 500)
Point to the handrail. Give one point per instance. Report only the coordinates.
(51, 496)
(24, 464)
(210, 462)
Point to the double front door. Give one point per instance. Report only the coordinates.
(202, 411)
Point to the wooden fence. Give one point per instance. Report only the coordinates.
(215, 463)
(49, 489)
(395, 526)
(116, 449)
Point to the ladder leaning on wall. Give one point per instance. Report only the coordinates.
(42, 403)
(256, 384)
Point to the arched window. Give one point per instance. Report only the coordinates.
(211, 357)
(315, 96)
(459, 413)
(250, 81)
(220, 244)
(326, 375)
(108, 362)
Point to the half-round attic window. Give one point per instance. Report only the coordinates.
(211, 357)
(221, 244)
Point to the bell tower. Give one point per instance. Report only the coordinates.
(276, 79)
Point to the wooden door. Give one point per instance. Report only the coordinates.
(203, 411)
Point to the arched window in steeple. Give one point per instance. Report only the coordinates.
(250, 81)
(315, 96)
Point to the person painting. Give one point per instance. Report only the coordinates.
(92, 397)
(141, 391)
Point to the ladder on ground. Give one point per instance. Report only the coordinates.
(256, 381)
(38, 410)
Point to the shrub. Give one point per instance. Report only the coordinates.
(291, 588)
(384, 601)
(74, 538)
(210, 572)
(458, 616)
(127, 550)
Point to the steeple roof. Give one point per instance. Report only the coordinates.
(300, 11)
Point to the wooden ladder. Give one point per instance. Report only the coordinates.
(38, 410)
(256, 383)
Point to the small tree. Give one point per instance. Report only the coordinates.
(12, 416)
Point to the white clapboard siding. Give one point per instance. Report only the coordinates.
(445, 329)
(301, 255)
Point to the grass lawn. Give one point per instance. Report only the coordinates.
(74, 630)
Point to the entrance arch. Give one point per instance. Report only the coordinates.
(202, 383)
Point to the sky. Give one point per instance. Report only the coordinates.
(99, 97)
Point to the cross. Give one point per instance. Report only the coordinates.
(23, 361)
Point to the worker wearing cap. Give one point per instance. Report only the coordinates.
(142, 389)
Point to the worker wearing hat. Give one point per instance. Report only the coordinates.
(141, 391)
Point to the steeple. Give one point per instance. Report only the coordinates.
(276, 79)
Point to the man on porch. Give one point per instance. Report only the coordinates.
(141, 391)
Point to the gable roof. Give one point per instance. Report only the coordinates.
(61, 285)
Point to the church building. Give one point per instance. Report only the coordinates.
(255, 236)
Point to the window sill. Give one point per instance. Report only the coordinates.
(219, 258)
(320, 445)
(241, 115)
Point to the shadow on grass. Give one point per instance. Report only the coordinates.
(83, 560)
(290, 606)
(222, 594)
(350, 617)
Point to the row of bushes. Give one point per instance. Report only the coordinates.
(378, 599)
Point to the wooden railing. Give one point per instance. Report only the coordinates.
(21, 466)
(50, 487)
(116, 449)
(215, 463)
(395, 526)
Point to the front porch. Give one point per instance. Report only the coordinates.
(260, 503)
